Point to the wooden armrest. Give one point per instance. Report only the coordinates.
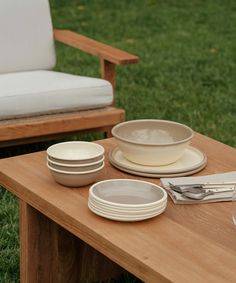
(109, 56)
(91, 46)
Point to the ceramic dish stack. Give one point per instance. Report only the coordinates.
(75, 164)
(156, 148)
(126, 199)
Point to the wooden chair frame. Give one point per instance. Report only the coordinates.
(45, 127)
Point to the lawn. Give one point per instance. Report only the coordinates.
(186, 74)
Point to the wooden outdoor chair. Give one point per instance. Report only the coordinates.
(37, 103)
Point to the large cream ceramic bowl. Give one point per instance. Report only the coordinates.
(152, 142)
(77, 152)
(75, 179)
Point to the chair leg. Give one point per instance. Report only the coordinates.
(107, 131)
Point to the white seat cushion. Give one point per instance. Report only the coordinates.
(43, 92)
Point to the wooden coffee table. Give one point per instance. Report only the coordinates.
(60, 236)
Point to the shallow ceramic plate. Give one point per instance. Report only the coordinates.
(159, 175)
(118, 217)
(126, 212)
(128, 193)
(125, 209)
(192, 160)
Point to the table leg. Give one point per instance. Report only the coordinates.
(49, 253)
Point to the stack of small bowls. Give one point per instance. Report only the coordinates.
(75, 164)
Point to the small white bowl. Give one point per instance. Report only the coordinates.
(77, 169)
(152, 142)
(71, 165)
(77, 152)
(75, 179)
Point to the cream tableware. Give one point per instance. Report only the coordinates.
(75, 164)
(127, 199)
(75, 179)
(192, 161)
(126, 211)
(159, 175)
(152, 142)
(127, 192)
(75, 168)
(77, 152)
(123, 208)
(118, 217)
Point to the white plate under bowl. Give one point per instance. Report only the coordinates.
(128, 193)
(191, 160)
(159, 175)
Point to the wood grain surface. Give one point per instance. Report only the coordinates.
(187, 243)
(22, 130)
(45, 127)
(93, 47)
(109, 56)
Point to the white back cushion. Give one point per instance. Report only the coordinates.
(26, 36)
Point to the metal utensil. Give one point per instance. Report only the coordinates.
(198, 196)
(205, 193)
(194, 187)
(207, 184)
(180, 190)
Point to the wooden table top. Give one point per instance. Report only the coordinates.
(187, 243)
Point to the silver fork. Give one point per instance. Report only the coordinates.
(205, 193)
(207, 185)
(201, 188)
(191, 189)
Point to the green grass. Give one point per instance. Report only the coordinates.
(9, 239)
(187, 58)
(186, 73)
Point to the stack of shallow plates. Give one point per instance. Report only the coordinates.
(76, 163)
(127, 200)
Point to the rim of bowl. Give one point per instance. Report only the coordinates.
(75, 165)
(128, 205)
(151, 144)
(76, 173)
(50, 148)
